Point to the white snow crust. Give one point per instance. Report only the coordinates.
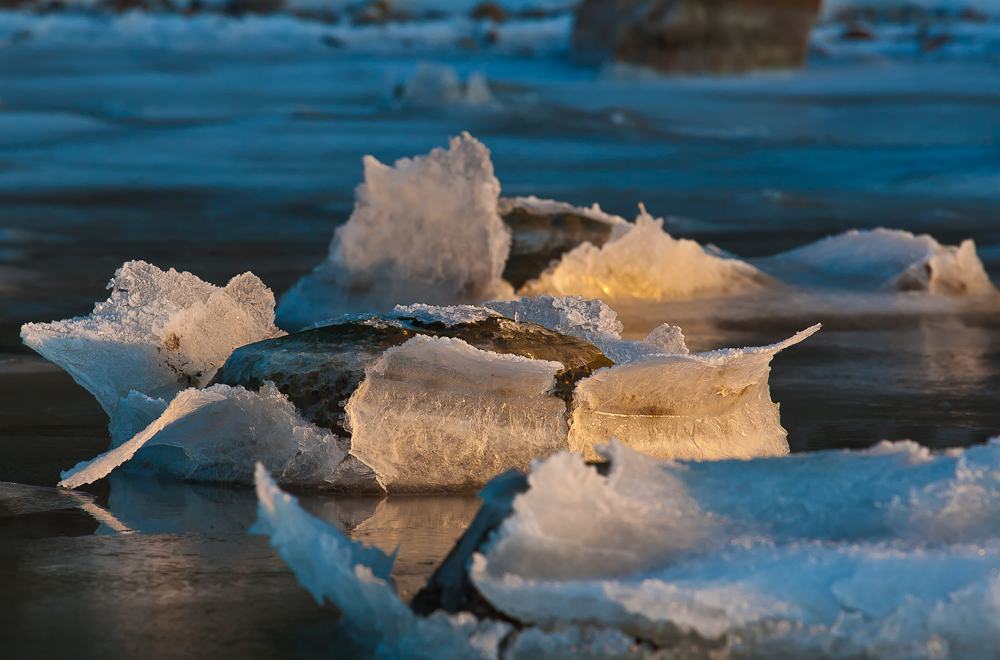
(159, 332)
(437, 413)
(707, 406)
(425, 230)
(644, 262)
(883, 260)
(221, 432)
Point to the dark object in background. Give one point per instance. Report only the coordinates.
(695, 36)
(240, 7)
(490, 10)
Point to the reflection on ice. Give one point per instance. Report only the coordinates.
(806, 556)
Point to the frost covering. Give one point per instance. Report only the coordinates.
(424, 230)
(644, 262)
(217, 434)
(811, 554)
(707, 406)
(159, 332)
(594, 321)
(883, 259)
(439, 413)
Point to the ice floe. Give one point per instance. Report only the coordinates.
(813, 555)
(425, 230)
(159, 332)
(883, 260)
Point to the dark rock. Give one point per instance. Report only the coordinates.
(450, 588)
(695, 36)
(378, 12)
(319, 369)
(539, 238)
(972, 15)
(490, 10)
(241, 7)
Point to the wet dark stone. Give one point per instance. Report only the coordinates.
(319, 369)
(540, 238)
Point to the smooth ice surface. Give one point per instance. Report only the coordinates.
(220, 433)
(644, 262)
(707, 406)
(159, 332)
(883, 260)
(423, 230)
(437, 413)
(889, 552)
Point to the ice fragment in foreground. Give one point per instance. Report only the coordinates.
(217, 434)
(644, 262)
(439, 413)
(424, 230)
(801, 554)
(883, 259)
(159, 332)
(707, 406)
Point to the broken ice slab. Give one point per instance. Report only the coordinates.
(159, 332)
(641, 260)
(883, 260)
(423, 230)
(779, 557)
(320, 368)
(708, 406)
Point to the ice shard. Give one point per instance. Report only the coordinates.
(423, 230)
(707, 406)
(160, 332)
(644, 262)
(437, 413)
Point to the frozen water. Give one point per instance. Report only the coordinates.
(425, 230)
(217, 434)
(761, 553)
(644, 262)
(355, 579)
(437, 413)
(594, 321)
(707, 406)
(883, 260)
(159, 332)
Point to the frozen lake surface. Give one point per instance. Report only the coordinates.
(220, 155)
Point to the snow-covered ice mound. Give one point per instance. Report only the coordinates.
(643, 261)
(159, 332)
(889, 552)
(883, 260)
(425, 230)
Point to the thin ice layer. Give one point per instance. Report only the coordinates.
(533, 204)
(355, 579)
(883, 260)
(159, 332)
(594, 321)
(217, 434)
(437, 413)
(755, 553)
(424, 230)
(708, 406)
(644, 262)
